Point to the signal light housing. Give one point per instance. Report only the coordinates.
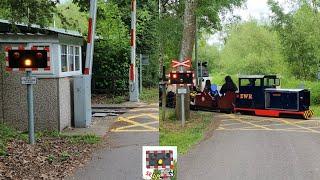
(27, 59)
(181, 77)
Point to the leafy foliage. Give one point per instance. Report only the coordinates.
(208, 53)
(171, 24)
(112, 51)
(71, 18)
(29, 11)
(299, 33)
(252, 49)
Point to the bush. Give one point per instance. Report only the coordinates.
(311, 85)
(252, 49)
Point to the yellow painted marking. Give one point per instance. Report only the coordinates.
(292, 124)
(144, 109)
(288, 130)
(135, 116)
(134, 130)
(143, 114)
(136, 125)
(268, 125)
(245, 122)
(315, 127)
(248, 127)
(152, 116)
(230, 124)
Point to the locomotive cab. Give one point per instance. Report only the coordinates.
(251, 90)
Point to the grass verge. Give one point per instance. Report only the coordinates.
(316, 110)
(9, 134)
(172, 134)
(150, 95)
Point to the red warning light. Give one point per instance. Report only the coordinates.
(39, 55)
(174, 76)
(16, 55)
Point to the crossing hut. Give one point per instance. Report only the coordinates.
(53, 99)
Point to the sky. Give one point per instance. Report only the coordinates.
(253, 9)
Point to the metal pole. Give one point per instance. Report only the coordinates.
(201, 73)
(183, 118)
(134, 92)
(196, 54)
(140, 74)
(30, 110)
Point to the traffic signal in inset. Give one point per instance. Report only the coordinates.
(27, 59)
(181, 78)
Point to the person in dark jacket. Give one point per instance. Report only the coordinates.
(228, 86)
(207, 86)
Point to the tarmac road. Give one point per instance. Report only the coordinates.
(122, 158)
(256, 148)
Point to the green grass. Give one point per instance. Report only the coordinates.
(172, 134)
(6, 134)
(150, 95)
(85, 139)
(316, 109)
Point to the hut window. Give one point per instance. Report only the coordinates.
(64, 61)
(77, 58)
(70, 58)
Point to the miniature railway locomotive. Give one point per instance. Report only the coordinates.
(260, 96)
(257, 95)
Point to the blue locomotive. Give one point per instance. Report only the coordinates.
(259, 95)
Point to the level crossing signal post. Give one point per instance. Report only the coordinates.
(28, 60)
(182, 79)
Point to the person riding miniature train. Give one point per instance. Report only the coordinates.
(210, 98)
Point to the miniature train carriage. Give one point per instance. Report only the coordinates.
(259, 95)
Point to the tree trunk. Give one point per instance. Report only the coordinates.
(189, 30)
(187, 44)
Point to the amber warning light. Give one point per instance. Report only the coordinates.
(28, 59)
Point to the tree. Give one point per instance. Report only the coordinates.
(71, 18)
(299, 37)
(207, 11)
(252, 49)
(29, 11)
(210, 54)
(112, 50)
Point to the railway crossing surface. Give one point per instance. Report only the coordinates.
(121, 159)
(250, 148)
